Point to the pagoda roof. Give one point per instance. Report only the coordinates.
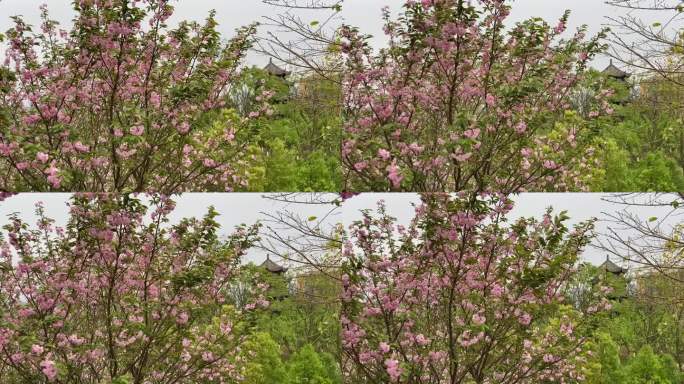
(275, 70)
(611, 267)
(613, 71)
(271, 266)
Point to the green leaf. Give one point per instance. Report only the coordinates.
(122, 380)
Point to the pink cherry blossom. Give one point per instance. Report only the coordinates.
(393, 369)
(427, 100)
(37, 349)
(182, 318)
(521, 127)
(48, 369)
(394, 176)
(78, 94)
(384, 154)
(42, 157)
(51, 296)
(184, 127)
(137, 130)
(457, 274)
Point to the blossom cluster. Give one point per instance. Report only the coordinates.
(122, 103)
(462, 295)
(459, 102)
(119, 293)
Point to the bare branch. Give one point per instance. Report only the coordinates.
(649, 46)
(313, 242)
(654, 244)
(304, 45)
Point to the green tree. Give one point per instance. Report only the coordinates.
(307, 367)
(299, 330)
(649, 368)
(605, 366)
(296, 148)
(264, 360)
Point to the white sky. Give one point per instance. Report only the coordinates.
(365, 14)
(248, 208)
(234, 209)
(580, 207)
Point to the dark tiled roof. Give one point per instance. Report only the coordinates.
(613, 71)
(612, 267)
(275, 70)
(272, 267)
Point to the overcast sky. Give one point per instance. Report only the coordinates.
(248, 208)
(580, 207)
(234, 209)
(365, 14)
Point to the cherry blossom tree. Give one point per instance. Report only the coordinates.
(461, 100)
(463, 296)
(122, 103)
(120, 295)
